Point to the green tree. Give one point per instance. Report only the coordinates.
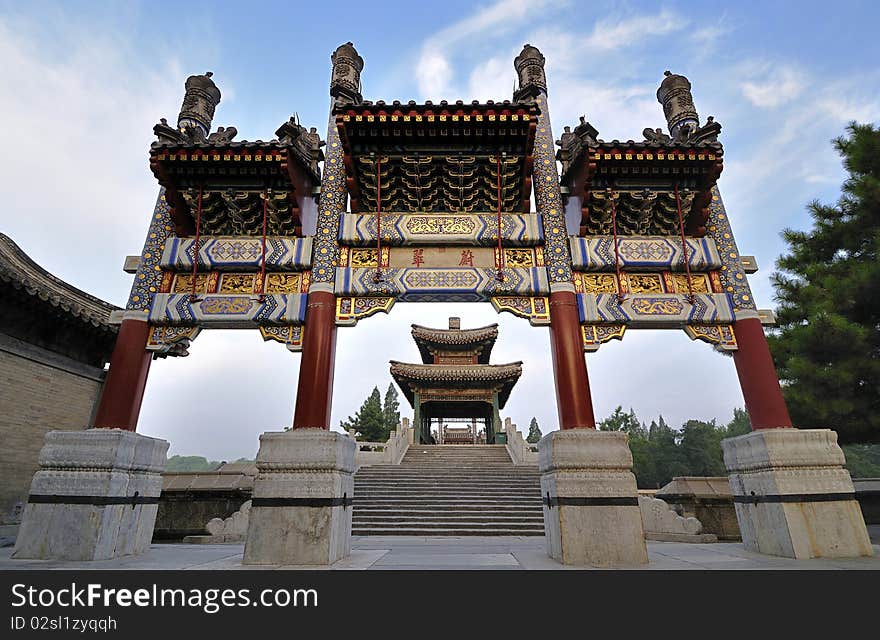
(534, 431)
(863, 460)
(827, 348)
(701, 448)
(191, 463)
(369, 421)
(622, 421)
(740, 425)
(391, 409)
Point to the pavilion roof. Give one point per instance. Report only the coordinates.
(429, 340)
(409, 377)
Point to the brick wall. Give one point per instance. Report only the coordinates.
(35, 398)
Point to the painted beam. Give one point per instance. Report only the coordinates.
(442, 285)
(643, 253)
(225, 311)
(238, 253)
(655, 310)
(470, 229)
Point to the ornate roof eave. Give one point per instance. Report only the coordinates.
(583, 152)
(408, 375)
(444, 107)
(396, 134)
(17, 269)
(241, 147)
(480, 338)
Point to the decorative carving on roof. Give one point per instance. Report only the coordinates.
(656, 135)
(223, 135)
(572, 143)
(308, 143)
(529, 65)
(345, 83)
(18, 270)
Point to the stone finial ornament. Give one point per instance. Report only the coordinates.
(572, 143)
(345, 83)
(199, 102)
(681, 114)
(678, 104)
(529, 65)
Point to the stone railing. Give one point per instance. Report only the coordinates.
(390, 452)
(521, 452)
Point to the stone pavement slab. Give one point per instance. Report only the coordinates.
(455, 553)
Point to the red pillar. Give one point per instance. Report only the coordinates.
(757, 377)
(314, 396)
(569, 367)
(124, 388)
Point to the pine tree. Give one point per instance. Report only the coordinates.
(369, 421)
(534, 431)
(827, 348)
(391, 409)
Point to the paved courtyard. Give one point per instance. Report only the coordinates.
(421, 553)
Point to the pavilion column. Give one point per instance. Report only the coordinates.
(315, 391)
(573, 399)
(417, 418)
(792, 494)
(314, 397)
(591, 508)
(757, 376)
(123, 391)
(303, 492)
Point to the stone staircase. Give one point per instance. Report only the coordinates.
(449, 490)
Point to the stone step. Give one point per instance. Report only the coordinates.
(452, 531)
(449, 490)
(512, 510)
(433, 476)
(465, 524)
(452, 496)
(445, 517)
(445, 488)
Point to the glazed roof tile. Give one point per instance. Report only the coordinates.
(457, 375)
(17, 269)
(455, 340)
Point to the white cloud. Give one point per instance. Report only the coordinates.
(774, 86)
(434, 74)
(434, 69)
(614, 33)
(492, 80)
(77, 189)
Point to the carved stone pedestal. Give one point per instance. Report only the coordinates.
(591, 506)
(793, 497)
(302, 499)
(95, 496)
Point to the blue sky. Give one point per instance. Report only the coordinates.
(83, 83)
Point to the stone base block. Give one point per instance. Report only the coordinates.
(793, 497)
(302, 500)
(94, 497)
(591, 507)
